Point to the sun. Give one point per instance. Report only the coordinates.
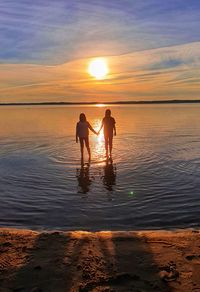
(98, 68)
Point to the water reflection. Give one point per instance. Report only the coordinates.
(99, 145)
(109, 177)
(160, 141)
(83, 178)
(105, 175)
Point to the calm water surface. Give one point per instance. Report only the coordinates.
(153, 182)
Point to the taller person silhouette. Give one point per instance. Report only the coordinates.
(109, 129)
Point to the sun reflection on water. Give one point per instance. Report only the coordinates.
(99, 149)
(100, 105)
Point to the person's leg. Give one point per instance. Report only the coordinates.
(106, 145)
(88, 147)
(110, 144)
(81, 147)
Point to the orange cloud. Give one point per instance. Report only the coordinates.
(170, 73)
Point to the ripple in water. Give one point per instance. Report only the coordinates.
(153, 182)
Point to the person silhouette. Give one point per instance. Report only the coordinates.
(109, 128)
(82, 134)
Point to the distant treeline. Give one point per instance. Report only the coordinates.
(106, 103)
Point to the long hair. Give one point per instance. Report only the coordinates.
(107, 113)
(82, 117)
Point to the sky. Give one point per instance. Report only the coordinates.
(152, 48)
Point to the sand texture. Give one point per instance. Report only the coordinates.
(102, 261)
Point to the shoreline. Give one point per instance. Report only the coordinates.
(157, 260)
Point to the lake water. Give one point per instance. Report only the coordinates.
(153, 182)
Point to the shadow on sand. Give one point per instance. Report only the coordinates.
(83, 261)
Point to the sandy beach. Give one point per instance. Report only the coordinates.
(100, 261)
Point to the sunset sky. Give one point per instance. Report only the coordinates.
(152, 48)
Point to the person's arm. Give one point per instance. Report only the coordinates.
(90, 127)
(77, 133)
(100, 127)
(114, 128)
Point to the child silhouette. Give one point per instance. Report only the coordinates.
(108, 125)
(82, 134)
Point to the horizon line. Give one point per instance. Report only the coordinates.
(167, 101)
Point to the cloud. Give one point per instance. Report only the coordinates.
(170, 72)
(53, 32)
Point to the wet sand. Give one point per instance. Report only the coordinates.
(101, 261)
